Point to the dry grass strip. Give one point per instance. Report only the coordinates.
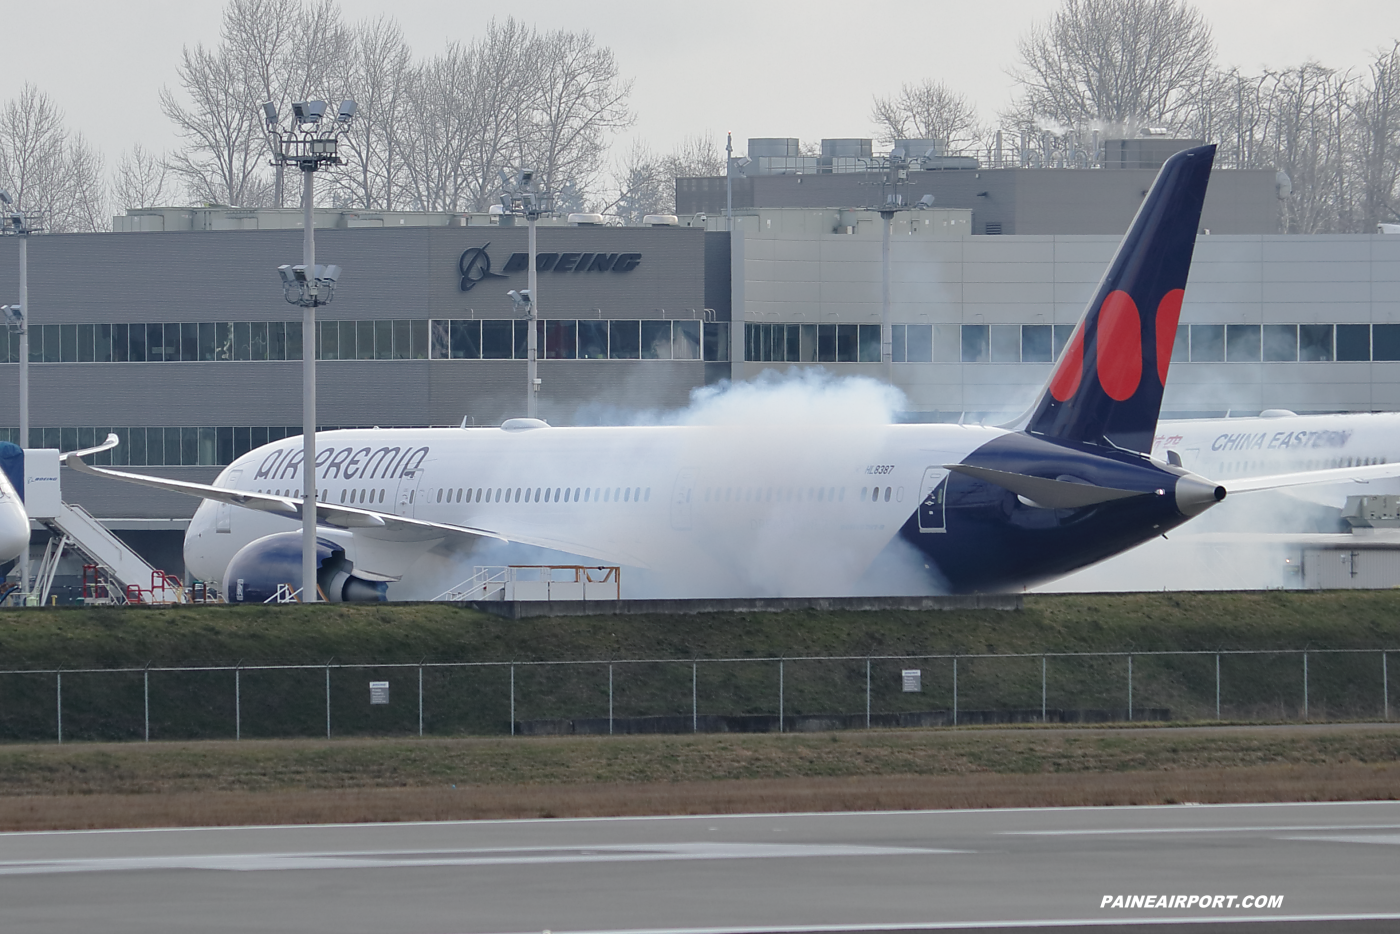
(1344, 781)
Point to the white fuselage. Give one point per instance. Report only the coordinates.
(737, 510)
(14, 522)
(1228, 448)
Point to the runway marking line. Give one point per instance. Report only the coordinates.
(699, 817)
(1147, 830)
(486, 856)
(981, 925)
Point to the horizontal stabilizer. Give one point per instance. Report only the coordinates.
(1044, 492)
(1281, 481)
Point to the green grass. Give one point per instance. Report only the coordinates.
(198, 705)
(75, 637)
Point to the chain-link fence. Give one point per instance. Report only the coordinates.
(685, 695)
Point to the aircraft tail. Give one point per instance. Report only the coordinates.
(1106, 388)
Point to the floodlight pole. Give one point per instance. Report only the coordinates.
(886, 323)
(308, 388)
(532, 392)
(309, 144)
(23, 233)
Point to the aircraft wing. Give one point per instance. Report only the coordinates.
(368, 522)
(1281, 481)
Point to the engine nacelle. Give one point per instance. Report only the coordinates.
(261, 566)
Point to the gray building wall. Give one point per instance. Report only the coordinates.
(1022, 201)
(411, 273)
(796, 270)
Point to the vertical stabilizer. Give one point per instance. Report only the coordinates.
(1106, 388)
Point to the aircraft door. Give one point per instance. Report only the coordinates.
(223, 516)
(406, 499)
(933, 495)
(681, 495)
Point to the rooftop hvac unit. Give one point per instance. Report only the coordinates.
(773, 147)
(661, 220)
(847, 148)
(586, 220)
(914, 148)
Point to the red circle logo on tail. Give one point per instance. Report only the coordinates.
(1065, 383)
(1119, 346)
(1168, 314)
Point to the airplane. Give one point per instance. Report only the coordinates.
(1279, 440)
(14, 521)
(766, 510)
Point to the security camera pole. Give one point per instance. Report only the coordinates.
(308, 143)
(21, 225)
(524, 197)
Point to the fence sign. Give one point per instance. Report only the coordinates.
(913, 680)
(379, 692)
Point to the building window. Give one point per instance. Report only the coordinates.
(1207, 343)
(1280, 343)
(975, 343)
(1353, 342)
(1315, 342)
(1242, 343)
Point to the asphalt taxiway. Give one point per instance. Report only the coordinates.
(1336, 868)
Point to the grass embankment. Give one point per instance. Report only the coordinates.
(92, 785)
(476, 701)
(404, 778)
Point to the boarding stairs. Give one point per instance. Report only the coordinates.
(119, 574)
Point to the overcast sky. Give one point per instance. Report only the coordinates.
(807, 68)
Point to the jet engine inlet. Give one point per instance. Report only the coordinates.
(1194, 495)
(255, 573)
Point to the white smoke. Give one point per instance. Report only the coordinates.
(796, 396)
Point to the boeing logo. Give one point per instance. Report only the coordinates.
(475, 265)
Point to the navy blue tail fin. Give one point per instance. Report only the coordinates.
(1106, 388)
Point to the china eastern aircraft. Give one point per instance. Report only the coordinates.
(1281, 441)
(771, 510)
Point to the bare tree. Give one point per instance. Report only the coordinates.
(581, 101)
(1122, 62)
(269, 50)
(86, 208)
(929, 110)
(640, 186)
(1376, 115)
(142, 180)
(645, 183)
(224, 152)
(377, 72)
(49, 170)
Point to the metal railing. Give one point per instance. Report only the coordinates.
(694, 695)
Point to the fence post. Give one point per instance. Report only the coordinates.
(146, 690)
(237, 704)
(1217, 686)
(694, 698)
(955, 691)
(1130, 688)
(610, 700)
(1305, 685)
(60, 707)
(420, 700)
(328, 700)
(1385, 688)
(1042, 689)
(867, 693)
(780, 695)
(512, 699)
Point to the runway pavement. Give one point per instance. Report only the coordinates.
(1327, 867)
